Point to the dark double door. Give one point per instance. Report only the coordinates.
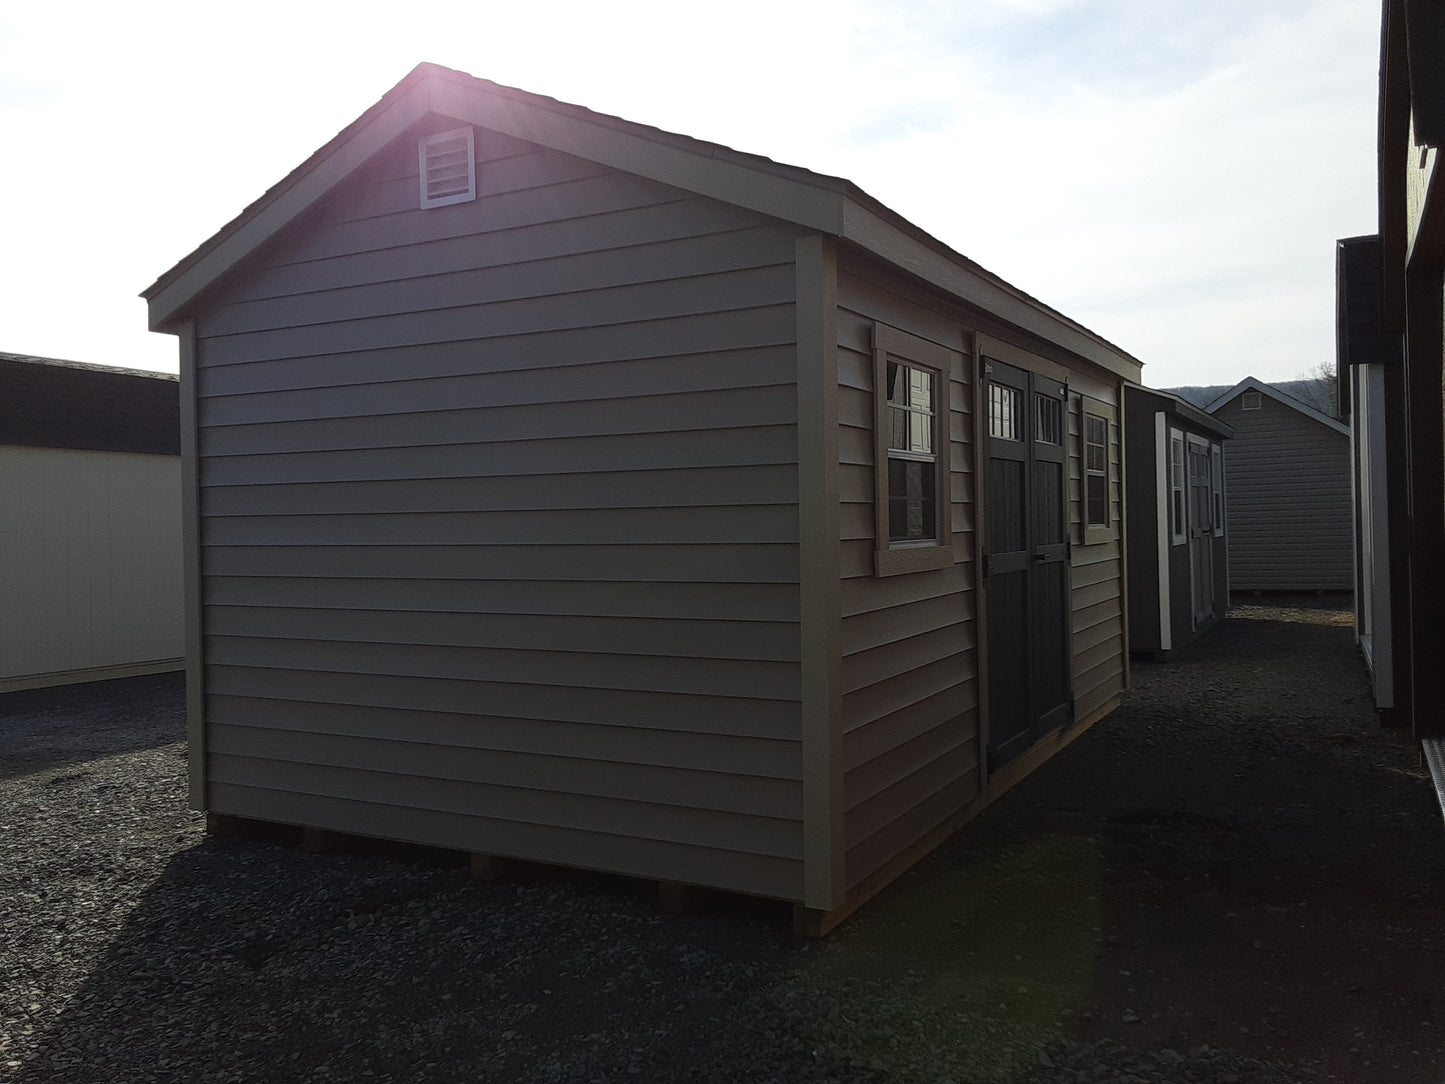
(1026, 565)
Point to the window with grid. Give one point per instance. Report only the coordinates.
(912, 461)
(911, 466)
(1096, 470)
(1216, 475)
(1177, 522)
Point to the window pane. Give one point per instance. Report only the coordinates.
(1049, 419)
(922, 435)
(1005, 409)
(897, 428)
(896, 374)
(921, 389)
(1098, 501)
(912, 506)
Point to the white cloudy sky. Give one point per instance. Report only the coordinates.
(1171, 173)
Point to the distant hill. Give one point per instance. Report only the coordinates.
(1313, 392)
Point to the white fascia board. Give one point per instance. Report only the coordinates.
(259, 227)
(1162, 490)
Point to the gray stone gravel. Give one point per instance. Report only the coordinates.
(134, 947)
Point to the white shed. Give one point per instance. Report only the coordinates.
(90, 542)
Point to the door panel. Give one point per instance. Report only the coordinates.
(1026, 559)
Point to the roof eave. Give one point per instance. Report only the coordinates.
(169, 296)
(1174, 404)
(815, 202)
(891, 238)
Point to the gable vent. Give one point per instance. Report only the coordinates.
(1251, 400)
(447, 165)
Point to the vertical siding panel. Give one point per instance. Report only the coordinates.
(88, 582)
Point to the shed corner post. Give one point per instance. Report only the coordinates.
(1121, 418)
(1163, 501)
(191, 566)
(820, 612)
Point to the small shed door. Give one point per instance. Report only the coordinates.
(1026, 560)
(1201, 529)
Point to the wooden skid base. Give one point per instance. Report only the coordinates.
(671, 897)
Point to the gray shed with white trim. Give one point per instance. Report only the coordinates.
(1291, 519)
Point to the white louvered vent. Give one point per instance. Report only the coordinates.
(447, 165)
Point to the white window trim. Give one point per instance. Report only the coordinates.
(1216, 483)
(914, 555)
(1178, 467)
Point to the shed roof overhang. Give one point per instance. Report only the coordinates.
(1156, 400)
(1391, 143)
(827, 205)
(1360, 336)
(1411, 118)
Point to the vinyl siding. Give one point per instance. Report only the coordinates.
(499, 524)
(909, 667)
(1096, 592)
(1288, 501)
(90, 582)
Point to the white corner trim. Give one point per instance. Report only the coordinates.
(1162, 483)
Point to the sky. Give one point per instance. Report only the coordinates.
(1172, 174)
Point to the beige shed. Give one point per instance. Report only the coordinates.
(565, 489)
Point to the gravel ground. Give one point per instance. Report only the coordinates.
(1237, 877)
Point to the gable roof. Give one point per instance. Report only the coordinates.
(1314, 392)
(827, 205)
(50, 403)
(1249, 383)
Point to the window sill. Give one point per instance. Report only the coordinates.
(903, 559)
(1097, 536)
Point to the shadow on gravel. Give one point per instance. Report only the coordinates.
(247, 961)
(1239, 868)
(1238, 876)
(42, 729)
